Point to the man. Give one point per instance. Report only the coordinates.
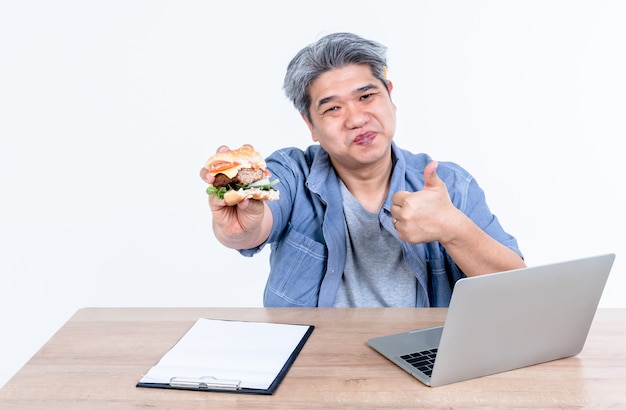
(359, 221)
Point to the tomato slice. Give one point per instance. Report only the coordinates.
(221, 166)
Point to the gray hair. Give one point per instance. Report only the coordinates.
(330, 52)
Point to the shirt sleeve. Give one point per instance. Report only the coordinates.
(469, 198)
(284, 165)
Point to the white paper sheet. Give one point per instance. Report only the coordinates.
(250, 352)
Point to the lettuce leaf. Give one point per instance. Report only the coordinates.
(218, 192)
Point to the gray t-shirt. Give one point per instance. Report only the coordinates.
(375, 274)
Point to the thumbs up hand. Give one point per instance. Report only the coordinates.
(427, 215)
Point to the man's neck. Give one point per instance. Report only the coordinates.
(369, 187)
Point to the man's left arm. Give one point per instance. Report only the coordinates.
(430, 216)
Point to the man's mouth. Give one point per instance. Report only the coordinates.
(365, 138)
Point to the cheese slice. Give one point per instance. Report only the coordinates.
(230, 172)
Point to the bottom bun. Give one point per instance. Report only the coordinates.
(235, 196)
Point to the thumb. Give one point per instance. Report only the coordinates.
(431, 179)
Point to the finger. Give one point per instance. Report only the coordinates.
(206, 177)
(215, 203)
(243, 204)
(398, 198)
(431, 179)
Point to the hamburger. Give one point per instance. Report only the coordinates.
(240, 174)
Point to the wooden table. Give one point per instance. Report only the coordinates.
(95, 360)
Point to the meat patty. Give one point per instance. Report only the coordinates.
(243, 177)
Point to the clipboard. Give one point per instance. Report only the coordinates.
(229, 356)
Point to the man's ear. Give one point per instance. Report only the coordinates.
(311, 128)
(389, 85)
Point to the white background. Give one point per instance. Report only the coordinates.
(108, 109)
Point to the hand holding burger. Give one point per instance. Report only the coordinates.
(240, 174)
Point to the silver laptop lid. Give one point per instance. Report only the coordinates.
(518, 318)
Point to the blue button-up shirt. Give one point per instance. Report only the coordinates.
(308, 241)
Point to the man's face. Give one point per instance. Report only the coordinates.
(352, 117)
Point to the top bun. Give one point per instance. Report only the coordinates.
(244, 157)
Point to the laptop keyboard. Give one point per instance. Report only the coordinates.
(423, 361)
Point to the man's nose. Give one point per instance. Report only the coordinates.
(356, 117)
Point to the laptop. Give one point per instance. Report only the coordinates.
(504, 321)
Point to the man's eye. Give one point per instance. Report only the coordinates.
(366, 96)
(335, 108)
